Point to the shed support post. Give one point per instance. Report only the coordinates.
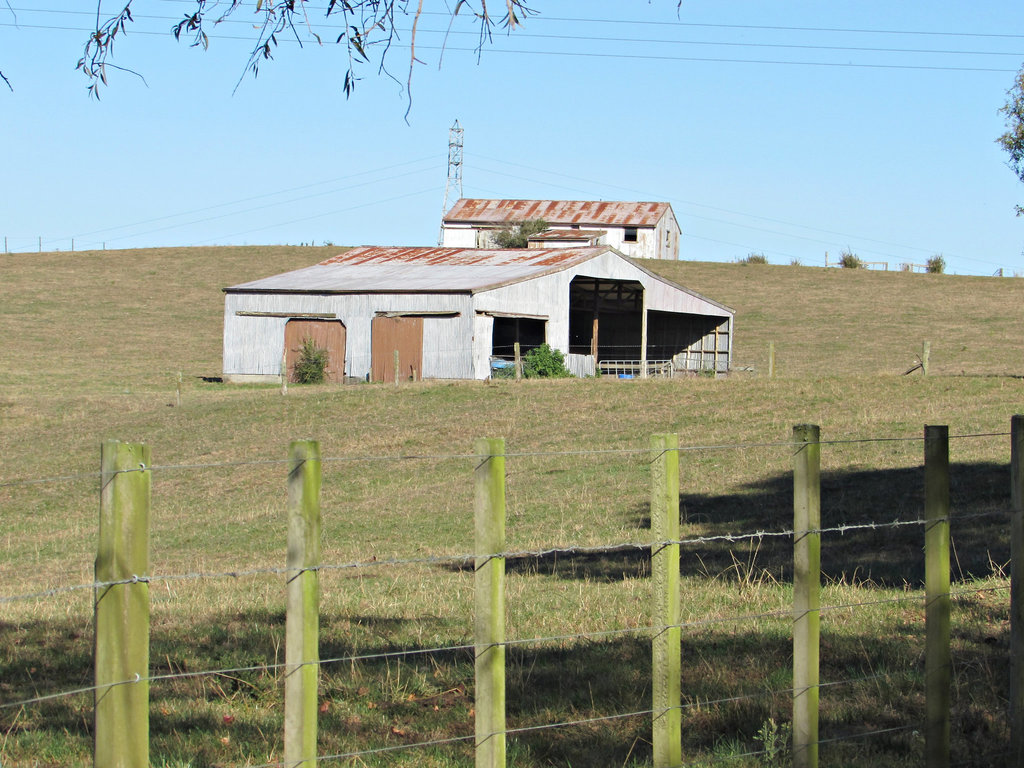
(643, 336)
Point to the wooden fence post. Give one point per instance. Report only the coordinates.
(937, 662)
(806, 593)
(1017, 592)
(121, 611)
(518, 358)
(666, 644)
(771, 359)
(302, 624)
(489, 602)
(397, 370)
(284, 370)
(926, 356)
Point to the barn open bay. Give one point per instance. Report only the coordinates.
(93, 344)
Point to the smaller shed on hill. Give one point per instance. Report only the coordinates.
(641, 230)
(449, 313)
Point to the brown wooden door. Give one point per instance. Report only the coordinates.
(404, 334)
(329, 334)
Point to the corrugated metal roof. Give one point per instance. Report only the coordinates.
(587, 212)
(398, 269)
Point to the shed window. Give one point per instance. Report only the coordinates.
(630, 235)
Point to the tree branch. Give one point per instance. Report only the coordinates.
(100, 46)
(412, 58)
(369, 28)
(1013, 140)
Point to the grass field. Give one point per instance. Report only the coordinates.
(92, 347)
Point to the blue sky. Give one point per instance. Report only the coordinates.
(787, 128)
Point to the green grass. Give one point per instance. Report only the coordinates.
(92, 344)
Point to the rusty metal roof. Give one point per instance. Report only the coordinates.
(562, 212)
(405, 270)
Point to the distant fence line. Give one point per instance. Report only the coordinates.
(52, 244)
(121, 690)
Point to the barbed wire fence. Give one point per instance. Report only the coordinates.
(126, 464)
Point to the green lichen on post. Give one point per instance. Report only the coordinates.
(937, 662)
(121, 711)
(806, 592)
(302, 625)
(666, 644)
(489, 599)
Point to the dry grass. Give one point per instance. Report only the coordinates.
(848, 322)
(92, 344)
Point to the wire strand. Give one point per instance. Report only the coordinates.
(463, 560)
(506, 454)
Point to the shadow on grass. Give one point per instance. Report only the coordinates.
(734, 679)
(887, 556)
(408, 697)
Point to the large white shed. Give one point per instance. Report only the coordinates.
(450, 313)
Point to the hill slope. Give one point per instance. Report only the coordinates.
(133, 319)
(846, 322)
(91, 347)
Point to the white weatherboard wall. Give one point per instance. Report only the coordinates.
(658, 242)
(458, 236)
(651, 242)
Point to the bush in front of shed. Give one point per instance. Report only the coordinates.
(545, 362)
(311, 367)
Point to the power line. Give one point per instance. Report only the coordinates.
(269, 205)
(598, 55)
(779, 28)
(320, 215)
(845, 235)
(265, 195)
(661, 23)
(711, 60)
(622, 39)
